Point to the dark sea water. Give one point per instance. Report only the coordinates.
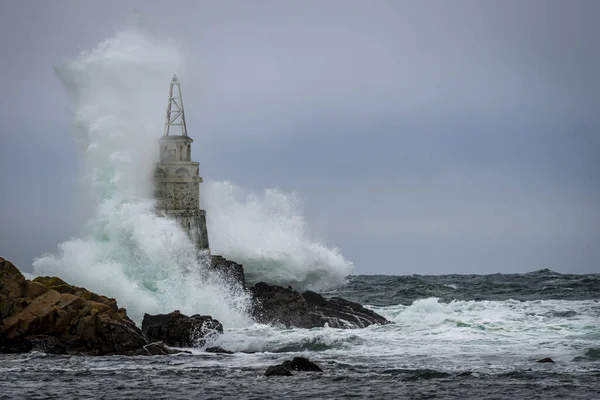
(453, 337)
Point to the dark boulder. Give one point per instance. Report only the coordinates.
(277, 370)
(301, 364)
(230, 271)
(546, 360)
(179, 330)
(218, 350)
(342, 313)
(314, 299)
(47, 314)
(296, 364)
(278, 305)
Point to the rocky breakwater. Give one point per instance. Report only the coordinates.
(49, 315)
(285, 306)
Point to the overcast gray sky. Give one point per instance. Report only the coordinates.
(422, 136)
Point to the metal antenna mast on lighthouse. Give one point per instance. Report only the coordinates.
(175, 123)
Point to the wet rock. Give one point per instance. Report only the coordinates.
(341, 313)
(314, 299)
(230, 271)
(218, 350)
(48, 314)
(279, 305)
(52, 282)
(546, 360)
(296, 364)
(42, 343)
(301, 364)
(48, 344)
(277, 370)
(179, 330)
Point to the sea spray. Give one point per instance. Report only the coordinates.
(268, 234)
(128, 252)
(118, 93)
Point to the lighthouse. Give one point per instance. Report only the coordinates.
(177, 178)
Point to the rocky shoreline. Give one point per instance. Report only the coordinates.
(47, 314)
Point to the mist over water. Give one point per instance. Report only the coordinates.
(118, 94)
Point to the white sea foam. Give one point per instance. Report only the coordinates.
(118, 94)
(474, 335)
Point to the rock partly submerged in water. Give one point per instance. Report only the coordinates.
(49, 315)
(279, 305)
(230, 271)
(546, 360)
(296, 364)
(277, 370)
(179, 330)
(217, 350)
(301, 364)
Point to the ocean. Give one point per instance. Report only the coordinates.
(453, 337)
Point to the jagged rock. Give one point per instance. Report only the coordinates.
(276, 304)
(229, 270)
(546, 360)
(339, 312)
(296, 364)
(179, 330)
(314, 299)
(278, 370)
(301, 364)
(279, 305)
(50, 315)
(218, 350)
(52, 282)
